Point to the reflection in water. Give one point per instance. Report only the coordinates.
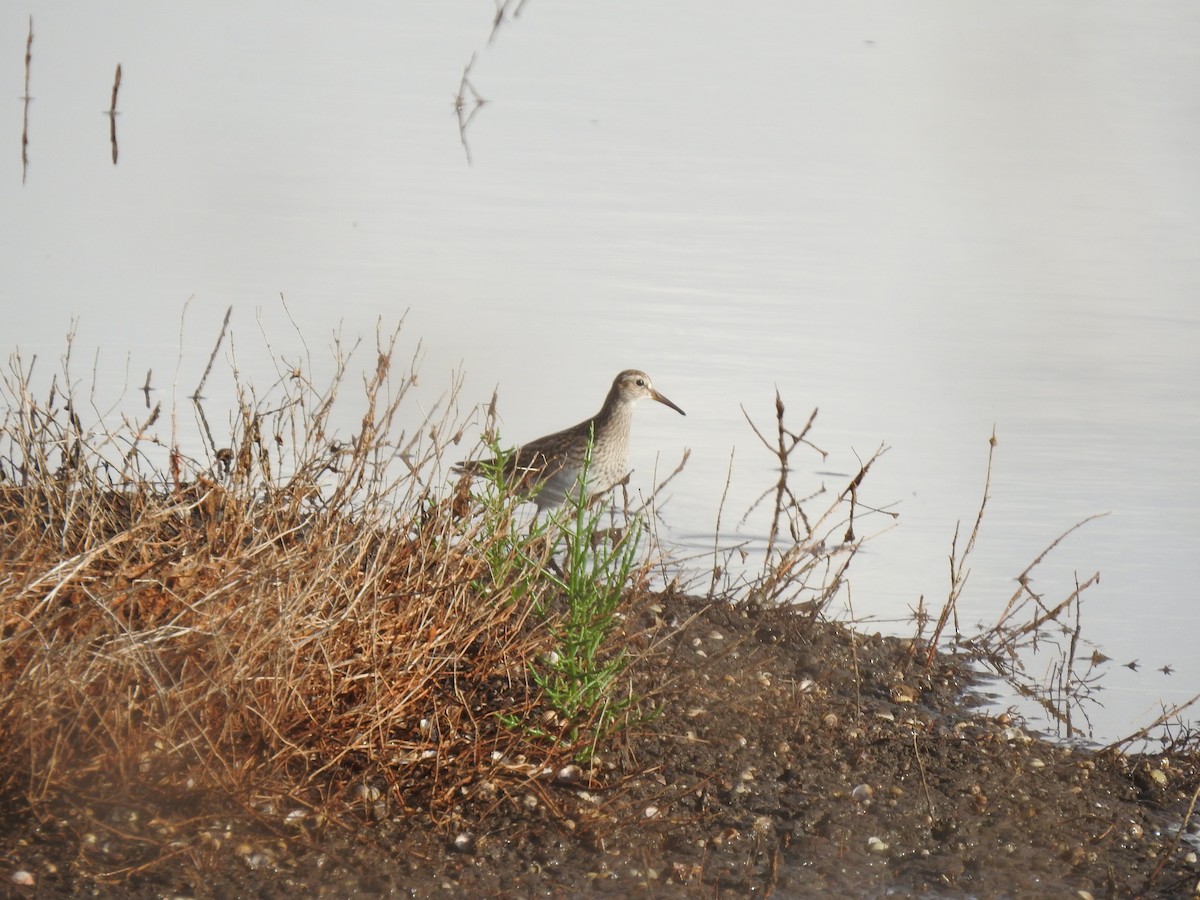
(25, 98)
(502, 15)
(112, 114)
(465, 109)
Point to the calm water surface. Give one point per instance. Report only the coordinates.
(928, 221)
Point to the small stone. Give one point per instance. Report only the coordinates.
(763, 825)
(23, 877)
(902, 693)
(368, 793)
(569, 774)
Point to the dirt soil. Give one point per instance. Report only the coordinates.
(791, 758)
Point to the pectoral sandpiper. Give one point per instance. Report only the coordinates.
(547, 469)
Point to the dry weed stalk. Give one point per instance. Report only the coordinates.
(1004, 647)
(1012, 641)
(296, 619)
(959, 573)
(1168, 730)
(806, 558)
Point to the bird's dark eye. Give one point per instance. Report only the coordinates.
(641, 382)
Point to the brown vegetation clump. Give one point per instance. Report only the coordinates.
(295, 621)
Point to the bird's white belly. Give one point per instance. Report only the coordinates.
(555, 489)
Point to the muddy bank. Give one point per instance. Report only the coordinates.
(788, 757)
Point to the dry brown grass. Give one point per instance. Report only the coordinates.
(291, 623)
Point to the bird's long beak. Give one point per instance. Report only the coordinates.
(665, 402)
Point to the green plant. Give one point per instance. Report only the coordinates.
(515, 557)
(576, 574)
(578, 675)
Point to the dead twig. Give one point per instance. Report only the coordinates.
(959, 573)
(196, 394)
